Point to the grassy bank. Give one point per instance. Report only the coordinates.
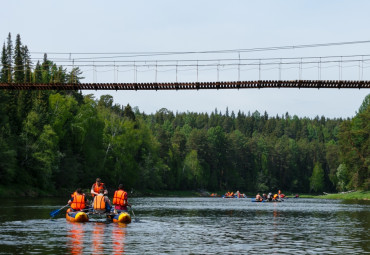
(356, 195)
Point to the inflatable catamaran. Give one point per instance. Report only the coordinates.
(84, 216)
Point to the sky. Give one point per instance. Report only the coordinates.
(71, 32)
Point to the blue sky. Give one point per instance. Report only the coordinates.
(161, 26)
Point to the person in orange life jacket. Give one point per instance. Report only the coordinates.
(102, 203)
(97, 186)
(120, 199)
(78, 200)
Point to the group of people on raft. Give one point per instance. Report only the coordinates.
(269, 197)
(101, 202)
(237, 194)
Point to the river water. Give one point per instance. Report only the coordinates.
(191, 226)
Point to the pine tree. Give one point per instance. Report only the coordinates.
(37, 74)
(18, 61)
(45, 67)
(9, 59)
(27, 64)
(75, 75)
(4, 64)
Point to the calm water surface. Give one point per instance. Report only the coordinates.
(191, 226)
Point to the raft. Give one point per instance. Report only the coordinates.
(233, 197)
(258, 201)
(77, 216)
(122, 217)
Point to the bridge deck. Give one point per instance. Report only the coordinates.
(192, 85)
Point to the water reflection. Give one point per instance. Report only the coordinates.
(95, 238)
(118, 238)
(75, 237)
(98, 237)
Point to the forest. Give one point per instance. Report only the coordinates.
(61, 140)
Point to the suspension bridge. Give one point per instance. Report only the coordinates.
(258, 84)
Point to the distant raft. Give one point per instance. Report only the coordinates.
(77, 216)
(261, 201)
(234, 196)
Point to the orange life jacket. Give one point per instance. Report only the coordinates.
(119, 197)
(97, 188)
(78, 202)
(99, 202)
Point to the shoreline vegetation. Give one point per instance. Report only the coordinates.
(14, 191)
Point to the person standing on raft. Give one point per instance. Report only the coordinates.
(97, 186)
(120, 199)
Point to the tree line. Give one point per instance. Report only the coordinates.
(52, 140)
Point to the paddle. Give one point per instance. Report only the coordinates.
(136, 220)
(56, 212)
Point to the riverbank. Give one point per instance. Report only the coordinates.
(28, 191)
(17, 191)
(355, 195)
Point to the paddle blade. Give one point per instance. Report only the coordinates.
(55, 213)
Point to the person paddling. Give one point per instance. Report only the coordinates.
(97, 186)
(78, 200)
(120, 199)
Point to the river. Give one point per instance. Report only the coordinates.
(191, 226)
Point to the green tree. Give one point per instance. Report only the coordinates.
(7, 157)
(19, 64)
(317, 178)
(343, 178)
(47, 156)
(193, 171)
(5, 70)
(9, 59)
(354, 141)
(128, 113)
